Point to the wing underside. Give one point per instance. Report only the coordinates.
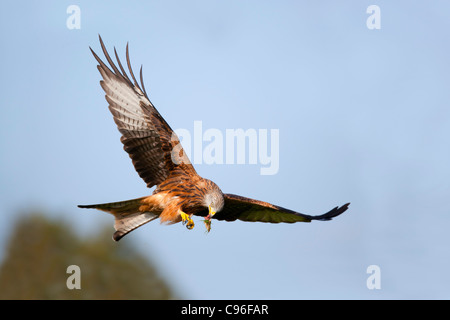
(146, 136)
(246, 209)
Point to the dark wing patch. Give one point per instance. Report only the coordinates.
(246, 209)
(146, 136)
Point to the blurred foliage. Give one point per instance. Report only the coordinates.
(40, 250)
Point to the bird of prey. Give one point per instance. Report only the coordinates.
(160, 161)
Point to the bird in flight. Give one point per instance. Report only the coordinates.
(160, 161)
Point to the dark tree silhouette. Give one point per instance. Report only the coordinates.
(40, 250)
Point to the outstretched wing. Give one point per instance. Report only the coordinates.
(246, 209)
(152, 145)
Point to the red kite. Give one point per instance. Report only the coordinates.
(160, 161)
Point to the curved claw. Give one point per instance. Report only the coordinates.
(190, 224)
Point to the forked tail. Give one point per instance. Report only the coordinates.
(127, 215)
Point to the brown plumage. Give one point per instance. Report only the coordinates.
(160, 161)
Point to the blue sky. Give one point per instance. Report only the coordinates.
(363, 117)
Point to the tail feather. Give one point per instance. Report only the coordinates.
(127, 215)
(128, 223)
(116, 207)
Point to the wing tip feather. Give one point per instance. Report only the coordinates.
(332, 213)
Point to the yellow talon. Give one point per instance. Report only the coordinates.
(184, 217)
(187, 220)
(190, 224)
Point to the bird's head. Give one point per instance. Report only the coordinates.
(213, 200)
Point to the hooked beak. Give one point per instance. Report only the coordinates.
(211, 213)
